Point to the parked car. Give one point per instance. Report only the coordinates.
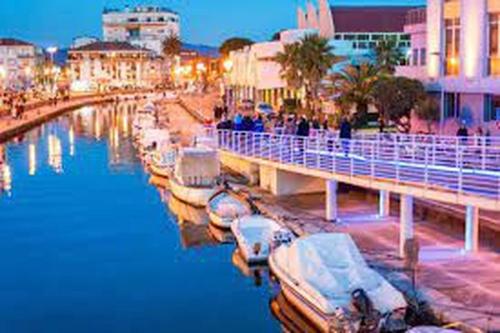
(264, 109)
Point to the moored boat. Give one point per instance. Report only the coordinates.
(195, 176)
(327, 279)
(223, 208)
(162, 163)
(257, 236)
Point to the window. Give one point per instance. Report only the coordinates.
(494, 52)
(491, 108)
(452, 46)
(451, 105)
(349, 37)
(338, 36)
(414, 58)
(423, 56)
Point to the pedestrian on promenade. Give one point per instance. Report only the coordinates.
(345, 135)
(237, 122)
(315, 123)
(303, 127)
(258, 124)
(463, 134)
(290, 127)
(247, 124)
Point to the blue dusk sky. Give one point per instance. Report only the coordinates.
(56, 22)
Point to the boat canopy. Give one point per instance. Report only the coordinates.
(159, 136)
(225, 205)
(197, 167)
(327, 268)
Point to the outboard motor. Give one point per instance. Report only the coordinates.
(369, 316)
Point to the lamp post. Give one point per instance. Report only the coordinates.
(441, 71)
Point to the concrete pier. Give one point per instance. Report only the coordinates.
(331, 201)
(406, 228)
(384, 206)
(471, 229)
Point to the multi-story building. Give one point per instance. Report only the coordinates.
(353, 33)
(143, 26)
(106, 65)
(17, 64)
(462, 61)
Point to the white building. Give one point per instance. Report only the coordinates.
(143, 26)
(17, 64)
(100, 66)
(353, 33)
(462, 64)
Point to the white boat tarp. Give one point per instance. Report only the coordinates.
(329, 267)
(159, 136)
(225, 205)
(197, 167)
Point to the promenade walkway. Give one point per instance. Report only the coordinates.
(456, 174)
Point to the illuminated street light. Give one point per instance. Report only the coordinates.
(200, 67)
(228, 65)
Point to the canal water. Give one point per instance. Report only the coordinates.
(88, 245)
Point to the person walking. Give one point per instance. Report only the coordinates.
(463, 134)
(345, 135)
(303, 127)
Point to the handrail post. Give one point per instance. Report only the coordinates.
(396, 160)
(372, 160)
(318, 155)
(281, 148)
(460, 173)
(426, 169)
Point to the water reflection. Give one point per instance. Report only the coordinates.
(84, 236)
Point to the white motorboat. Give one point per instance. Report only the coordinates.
(327, 279)
(162, 163)
(195, 176)
(142, 122)
(223, 208)
(257, 236)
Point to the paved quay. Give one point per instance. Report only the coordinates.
(460, 289)
(37, 115)
(463, 290)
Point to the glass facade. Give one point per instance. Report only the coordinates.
(492, 108)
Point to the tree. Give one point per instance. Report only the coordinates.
(388, 56)
(305, 64)
(234, 44)
(172, 46)
(354, 86)
(428, 110)
(396, 97)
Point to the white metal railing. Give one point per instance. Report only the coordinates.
(460, 168)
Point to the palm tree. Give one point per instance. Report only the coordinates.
(305, 64)
(172, 46)
(354, 87)
(388, 55)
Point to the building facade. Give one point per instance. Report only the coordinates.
(353, 33)
(102, 66)
(462, 62)
(143, 26)
(18, 60)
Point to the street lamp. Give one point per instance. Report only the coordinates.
(52, 50)
(228, 65)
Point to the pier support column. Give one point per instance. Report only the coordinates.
(406, 222)
(471, 229)
(384, 204)
(331, 200)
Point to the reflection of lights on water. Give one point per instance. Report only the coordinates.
(97, 128)
(125, 125)
(55, 153)
(86, 112)
(116, 137)
(6, 178)
(71, 135)
(32, 159)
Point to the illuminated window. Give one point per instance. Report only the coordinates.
(452, 46)
(494, 36)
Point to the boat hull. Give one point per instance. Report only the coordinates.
(159, 171)
(194, 196)
(321, 320)
(219, 222)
